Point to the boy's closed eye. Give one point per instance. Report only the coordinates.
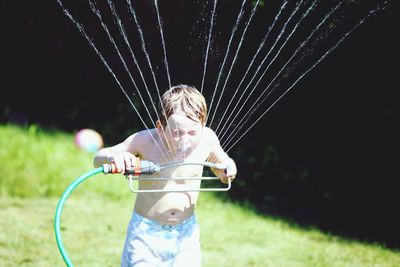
(193, 133)
(177, 133)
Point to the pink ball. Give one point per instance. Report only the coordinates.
(88, 140)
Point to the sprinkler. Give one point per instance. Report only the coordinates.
(139, 172)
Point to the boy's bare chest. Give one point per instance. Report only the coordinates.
(199, 155)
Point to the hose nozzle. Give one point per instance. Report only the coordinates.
(140, 167)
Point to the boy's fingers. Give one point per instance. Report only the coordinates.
(133, 159)
(127, 162)
(225, 179)
(118, 165)
(229, 178)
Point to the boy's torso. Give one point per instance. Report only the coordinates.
(171, 207)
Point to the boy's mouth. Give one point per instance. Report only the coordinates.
(183, 151)
(182, 154)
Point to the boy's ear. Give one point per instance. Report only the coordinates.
(159, 125)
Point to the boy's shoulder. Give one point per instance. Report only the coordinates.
(210, 136)
(146, 136)
(147, 133)
(137, 143)
(141, 138)
(209, 131)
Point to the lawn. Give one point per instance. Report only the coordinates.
(38, 165)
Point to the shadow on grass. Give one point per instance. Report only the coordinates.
(345, 220)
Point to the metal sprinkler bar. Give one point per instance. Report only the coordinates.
(145, 167)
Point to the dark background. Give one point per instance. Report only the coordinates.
(326, 155)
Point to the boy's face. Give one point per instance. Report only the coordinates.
(183, 134)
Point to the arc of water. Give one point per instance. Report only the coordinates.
(234, 60)
(226, 55)
(83, 32)
(252, 109)
(163, 42)
(143, 46)
(270, 63)
(208, 45)
(224, 132)
(262, 44)
(160, 26)
(257, 102)
(329, 51)
(123, 33)
(98, 14)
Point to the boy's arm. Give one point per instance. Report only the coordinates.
(122, 154)
(218, 155)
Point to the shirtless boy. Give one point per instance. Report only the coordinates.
(163, 229)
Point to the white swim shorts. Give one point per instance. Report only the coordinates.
(149, 243)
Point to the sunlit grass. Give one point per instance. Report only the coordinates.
(38, 165)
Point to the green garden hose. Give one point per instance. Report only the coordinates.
(60, 205)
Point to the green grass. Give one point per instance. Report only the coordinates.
(37, 166)
(38, 163)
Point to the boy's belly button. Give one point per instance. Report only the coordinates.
(174, 213)
(174, 216)
(171, 217)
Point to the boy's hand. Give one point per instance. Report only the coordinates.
(229, 173)
(124, 161)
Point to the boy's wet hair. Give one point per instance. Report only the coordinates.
(183, 98)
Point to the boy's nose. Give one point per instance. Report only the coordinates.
(185, 137)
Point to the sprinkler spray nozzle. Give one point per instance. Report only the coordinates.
(140, 167)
